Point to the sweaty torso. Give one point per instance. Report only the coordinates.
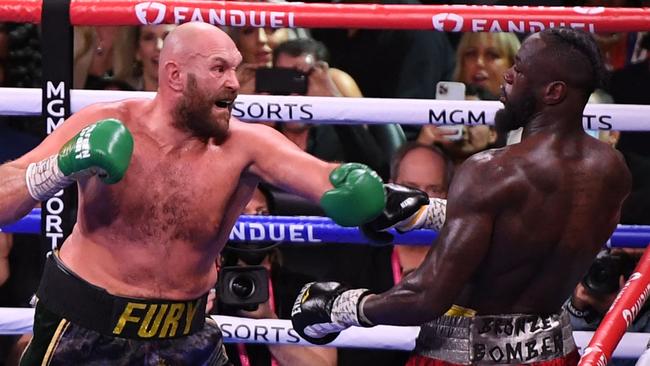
(562, 203)
(158, 232)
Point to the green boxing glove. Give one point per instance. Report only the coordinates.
(358, 196)
(103, 148)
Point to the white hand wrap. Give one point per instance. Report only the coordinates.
(345, 310)
(431, 216)
(44, 179)
(344, 314)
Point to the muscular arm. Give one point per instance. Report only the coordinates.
(15, 200)
(461, 246)
(278, 161)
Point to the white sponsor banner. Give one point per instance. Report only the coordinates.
(278, 331)
(17, 101)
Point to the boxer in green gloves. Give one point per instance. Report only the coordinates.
(103, 148)
(158, 195)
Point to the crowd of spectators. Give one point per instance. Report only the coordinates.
(336, 63)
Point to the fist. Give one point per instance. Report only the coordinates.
(105, 148)
(322, 310)
(403, 205)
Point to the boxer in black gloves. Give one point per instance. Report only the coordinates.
(523, 224)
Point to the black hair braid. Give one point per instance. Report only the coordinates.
(585, 44)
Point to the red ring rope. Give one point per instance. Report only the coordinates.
(451, 18)
(20, 11)
(620, 315)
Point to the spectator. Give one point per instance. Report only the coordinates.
(140, 68)
(481, 60)
(473, 138)
(363, 265)
(426, 168)
(256, 46)
(391, 63)
(284, 286)
(329, 142)
(95, 55)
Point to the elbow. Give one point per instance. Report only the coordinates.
(429, 307)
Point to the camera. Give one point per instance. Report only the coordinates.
(243, 287)
(602, 278)
(280, 81)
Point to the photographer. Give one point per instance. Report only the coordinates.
(283, 286)
(347, 143)
(594, 295)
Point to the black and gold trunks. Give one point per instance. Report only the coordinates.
(67, 295)
(76, 323)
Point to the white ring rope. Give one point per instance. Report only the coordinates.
(278, 331)
(22, 101)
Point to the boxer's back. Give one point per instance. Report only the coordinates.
(561, 203)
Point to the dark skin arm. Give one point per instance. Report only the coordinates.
(462, 244)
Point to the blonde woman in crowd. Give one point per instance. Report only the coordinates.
(139, 55)
(483, 58)
(94, 54)
(481, 61)
(256, 46)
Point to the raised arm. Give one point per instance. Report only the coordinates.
(462, 244)
(280, 162)
(351, 194)
(323, 309)
(16, 200)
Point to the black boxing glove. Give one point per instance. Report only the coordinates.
(406, 209)
(323, 309)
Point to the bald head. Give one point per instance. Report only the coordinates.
(194, 39)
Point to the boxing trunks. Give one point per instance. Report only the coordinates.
(515, 339)
(77, 323)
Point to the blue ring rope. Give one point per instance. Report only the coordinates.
(320, 230)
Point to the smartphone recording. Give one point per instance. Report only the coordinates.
(280, 81)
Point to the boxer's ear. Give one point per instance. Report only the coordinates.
(173, 76)
(554, 92)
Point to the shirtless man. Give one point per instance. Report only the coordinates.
(523, 225)
(129, 285)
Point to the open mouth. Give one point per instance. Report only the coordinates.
(225, 103)
(480, 77)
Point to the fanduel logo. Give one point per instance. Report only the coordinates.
(145, 10)
(453, 21)
(589, 10)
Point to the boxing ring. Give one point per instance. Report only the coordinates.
(55, 100)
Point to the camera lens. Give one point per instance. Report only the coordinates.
(242, 286)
